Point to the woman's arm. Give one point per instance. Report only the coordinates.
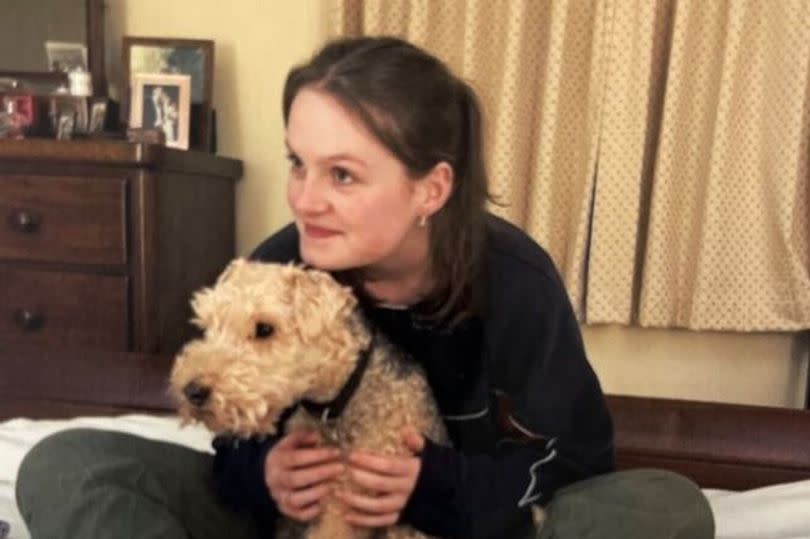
(483, 496)
(239, 475)
(557, 429)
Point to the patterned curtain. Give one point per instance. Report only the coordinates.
(657, 150)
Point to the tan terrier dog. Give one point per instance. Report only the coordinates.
(277, 336)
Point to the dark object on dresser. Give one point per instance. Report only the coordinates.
(103, 242)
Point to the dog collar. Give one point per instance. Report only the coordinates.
(329, 411)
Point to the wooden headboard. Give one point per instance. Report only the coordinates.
(717, 445)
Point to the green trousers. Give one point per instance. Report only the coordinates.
(87, 484)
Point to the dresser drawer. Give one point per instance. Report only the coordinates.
(63, 309)
(63, 219)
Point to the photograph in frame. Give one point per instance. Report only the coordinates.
(176, 56)
(98, 115)
(62, 107)
(65, 126)
(64, 56)
(162, 102)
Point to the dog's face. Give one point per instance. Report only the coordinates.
(273, 334)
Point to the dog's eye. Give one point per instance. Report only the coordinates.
(263, 330)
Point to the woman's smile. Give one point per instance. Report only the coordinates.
(319, 232)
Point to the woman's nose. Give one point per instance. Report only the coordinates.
(308, 195)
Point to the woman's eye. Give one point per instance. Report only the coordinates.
(295, 163)
(342, 176)
(263, 330)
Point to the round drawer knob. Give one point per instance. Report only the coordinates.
(25, 222)
(29, 320)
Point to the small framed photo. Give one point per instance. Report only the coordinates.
(65, 126)
(162, 102)
(64, 57)
(61, 107)
(98, 115)
(192, 57)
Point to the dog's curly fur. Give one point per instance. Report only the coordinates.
(316, 334)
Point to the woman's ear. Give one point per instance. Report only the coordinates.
(436, 187)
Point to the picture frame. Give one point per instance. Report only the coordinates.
(97, 116)
(193, 57)
(66, 56)
(63, 106)
(162, 101)
(65, 126)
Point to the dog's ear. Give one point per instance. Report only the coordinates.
(228, 272)
(319, 303)
(203, 309)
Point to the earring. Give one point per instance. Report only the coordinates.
(423, 221)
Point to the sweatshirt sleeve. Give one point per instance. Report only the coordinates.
(239, 475)
(552, 422)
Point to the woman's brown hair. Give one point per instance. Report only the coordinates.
(424, 115)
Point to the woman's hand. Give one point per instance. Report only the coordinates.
(387, 483)
(298, 474)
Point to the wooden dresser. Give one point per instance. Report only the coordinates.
(102, 244)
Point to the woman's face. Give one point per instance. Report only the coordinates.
(353, 202)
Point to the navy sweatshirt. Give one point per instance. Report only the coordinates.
(523, 408)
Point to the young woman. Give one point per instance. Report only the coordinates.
(388, 189)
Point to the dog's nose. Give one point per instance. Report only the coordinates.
(196, 394)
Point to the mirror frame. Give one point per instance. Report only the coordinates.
(95, 54)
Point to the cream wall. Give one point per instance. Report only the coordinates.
(767, 369)
(257, 41)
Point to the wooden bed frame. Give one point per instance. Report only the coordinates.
(725, 446)
(717, 445)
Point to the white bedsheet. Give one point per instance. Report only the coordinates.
(777, 512)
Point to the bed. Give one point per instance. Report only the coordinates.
(753, 462)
